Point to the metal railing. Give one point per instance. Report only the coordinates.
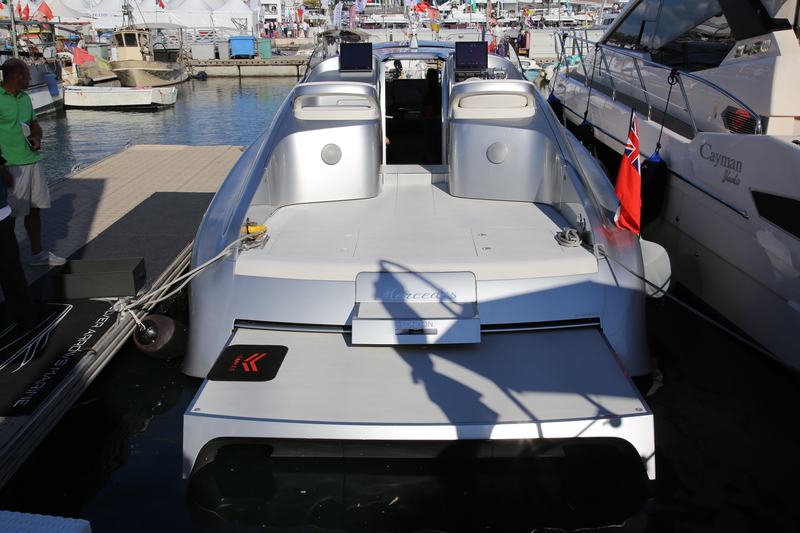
(737, 117)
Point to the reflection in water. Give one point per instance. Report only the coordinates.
(588, 487)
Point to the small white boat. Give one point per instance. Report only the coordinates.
(119, 97)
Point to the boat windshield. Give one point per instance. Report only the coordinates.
(127, 39)
(687, 35)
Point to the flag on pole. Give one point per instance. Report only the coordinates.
(629, 183)
(433, 12)
(45, 10)
(337, 15)
(26, 13)
(161, 4)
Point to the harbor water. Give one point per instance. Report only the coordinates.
(727, 428)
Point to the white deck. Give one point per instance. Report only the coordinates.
(523, 385)
(417, 226)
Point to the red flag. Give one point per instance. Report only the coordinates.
(422, 7)
(19, 9)
(81, 56)
(45, 10)
(161, 4)
(629, 183)
(26, 12)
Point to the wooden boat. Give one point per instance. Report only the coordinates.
(136, 65)
(119, 97)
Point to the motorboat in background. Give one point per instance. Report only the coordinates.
(137, 62)
(713, 85)
(36, 46)
(416, 256)
(119, 98)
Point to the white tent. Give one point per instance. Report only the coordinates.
(62, 10)
(107, 14)
(235, 13)
(187, 13)
(192, 14)
(190, 5)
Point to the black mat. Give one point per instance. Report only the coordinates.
(33, 363)
(157, 229)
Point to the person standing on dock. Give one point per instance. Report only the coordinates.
(20, 140)
(12, 278)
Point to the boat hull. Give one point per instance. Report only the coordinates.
(43, 99)
(722, 248)
(134, 73)
(512, 387)
(119, 97)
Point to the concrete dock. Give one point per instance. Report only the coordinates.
(145, 201)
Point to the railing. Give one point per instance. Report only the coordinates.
(737, 117)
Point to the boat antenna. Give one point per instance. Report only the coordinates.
(128, 20)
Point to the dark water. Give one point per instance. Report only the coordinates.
(214, 112)
(727, 428)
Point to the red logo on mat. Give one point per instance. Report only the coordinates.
(249, 364)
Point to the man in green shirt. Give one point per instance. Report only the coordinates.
(20, 140)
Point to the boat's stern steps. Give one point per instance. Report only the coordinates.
(512, 386)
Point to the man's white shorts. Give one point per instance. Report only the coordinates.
(30, 189)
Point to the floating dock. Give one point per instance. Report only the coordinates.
(143, 202)
(294, 66)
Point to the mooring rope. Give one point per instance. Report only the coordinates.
(124, 305)
(693, 310)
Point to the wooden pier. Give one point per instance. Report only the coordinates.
(294, 66)
(145, 201)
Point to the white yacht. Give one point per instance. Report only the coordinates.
(426, 258)
(714, 84)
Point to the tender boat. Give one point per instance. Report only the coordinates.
(119, 98)
(423, 259)
(719, 79)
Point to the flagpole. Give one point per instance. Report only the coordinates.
(91, 14)
(13, 29)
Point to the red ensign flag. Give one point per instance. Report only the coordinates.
(629, 183)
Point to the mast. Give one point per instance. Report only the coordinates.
(13, 31)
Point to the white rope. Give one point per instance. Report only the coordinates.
(695, 311)
(569, 238)
(154, 297)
